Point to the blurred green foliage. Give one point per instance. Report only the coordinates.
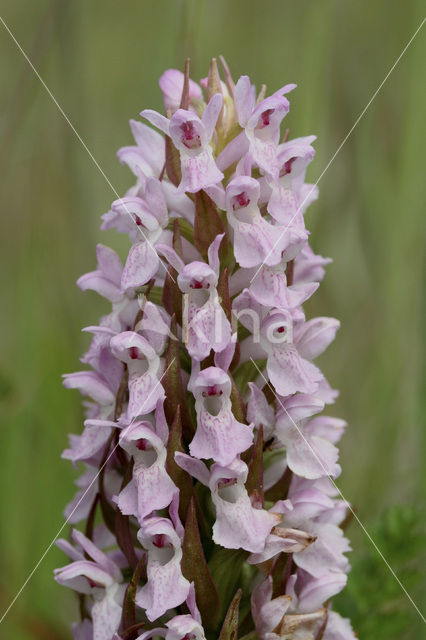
(373, 599)
(101, 60)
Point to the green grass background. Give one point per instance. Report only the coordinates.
(101, 60)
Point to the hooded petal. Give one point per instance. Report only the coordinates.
(327, 427)
(194, 467)
(311, 456)
(88, 444)
(267, 612)
(338, 628)
(315, 335)
(259, 411)
(269, 287)
(171, 85)
(211, 114)
(90, 384)
(326, 552)
(151, 146)
(296, 408)
(309, 267)
(158, 120)
(184, 626)
(288, 541)
(83, 576)
(315, 591)
(106, 279)
(245, 98)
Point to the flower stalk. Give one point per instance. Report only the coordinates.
(207, 494)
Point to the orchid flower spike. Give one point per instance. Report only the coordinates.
(206, 491)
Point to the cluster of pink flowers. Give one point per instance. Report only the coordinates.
(207, 490)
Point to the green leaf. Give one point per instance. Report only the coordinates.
(171, 295)
(173, 385)
(238, 407)
(185, 228)
(280, 490)
(194, 568)
(156, 295)
(226, 567)
(207, 224)
(184, 101)
(280, 572)
(122, 526)
(247, 372)
(173, 169)
(223, 291)
(214, 84)
(131, 632)
(180, 477)
(128, 618)
(229, 629)
(254, 482)
(177, 240)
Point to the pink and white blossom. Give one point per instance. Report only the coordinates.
(206, 462)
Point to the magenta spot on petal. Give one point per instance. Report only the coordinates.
(280, 329)
(196, 284)
(212, 390)
(287, 167)
(159, 540)
(138, 221)
(142, 444)
(93, 583)
(226, 482)
(134, 353)
(265, 119)
(190, 138)
(240, 200)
